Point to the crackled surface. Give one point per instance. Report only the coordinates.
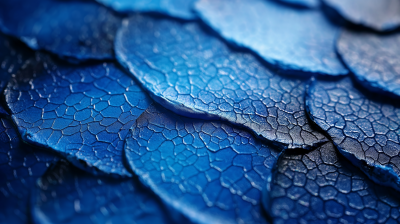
(12, 57)
(78, 30)
(210, 171)
(324, 187)
(365, 130)
(82, 112)
(194, 74)
(382, 15)
(20, 166)
(302, 3)
(292, 39)
(67, 195)
(176, 8)
(373, 58)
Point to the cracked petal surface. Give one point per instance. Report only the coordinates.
(83, 112)
(373, 58)
(77, 30)
(324, 187)
(176, 8)
(365, 130)
(20, 166)
(210, 171)
(289, 38)
(382, 15)
(195, 74)
(67, 195)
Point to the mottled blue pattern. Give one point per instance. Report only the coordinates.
(67, 195)
(323, 187)
(374, 59)
(302, 3)
(380, 15)
(176, 8)
(294, 40)
(365, 130)
(210, 171)
(82, 112)
(195, 74)
(78, 30)
(20, 166)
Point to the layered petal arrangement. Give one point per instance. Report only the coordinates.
(199, 111)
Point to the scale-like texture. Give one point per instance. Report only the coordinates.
(176, 8)
(210, 171)
(195, 74)
(78, 30)
(82, 112)
(366, 131)
(67, 195)
(373, 58)
(12, 57)
(382, 15)
(324, 187)
(20, 166)
(292, 39)
(302, 3)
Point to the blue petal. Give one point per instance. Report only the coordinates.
(365, 130)
(67, 195)
(210, 171)
(382, 15)
(77, 30)
(82, 112)
(20, 166)
(374, 59)
(323, 187)
(195, 74)
(302, 3)
(176, 8)
(292, 39)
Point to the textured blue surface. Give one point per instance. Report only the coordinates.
(195, 74)
(382, 15)
(373, 58)
(176, 8)
(67, 195)
(82, 112)
(78, 30)
(292, 39)
(210, 171)
(366, 131)
(20, 166)
(12, 57)
(324, 187)
(302, 3)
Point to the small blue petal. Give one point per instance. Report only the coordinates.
(365, 130)
(176, 8)
(210, 171)
(195, 74)
(79, 122)
(323, 187)
(292, 39)
(382, 15)
(68, 195)
(20, 166)
(77, 30)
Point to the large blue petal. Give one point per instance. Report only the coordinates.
(210, 171)
(382, 15)
(81, 111)
(195, 74)
(67, 195)
(365, 130)
(78, 30)
(176, 8)
(302, 3)
(20, 166)
(292, 39)
(374, 59)
(324, 187)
